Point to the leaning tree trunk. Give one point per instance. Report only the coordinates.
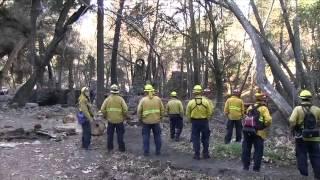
(271, 59)
(262, 81)
(116, 39)
(62, 25)
(12, 57)
(100, 55)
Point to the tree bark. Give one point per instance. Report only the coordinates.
(12, 57)
(100, 55)
(60, 70)
(92, 68)
(218, 74)
(116, 39)
(151, 58)
(196, 65)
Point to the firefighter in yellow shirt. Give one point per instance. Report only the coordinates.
(150, 111)
(256, 138)
(199, 111)
(234, 110)
(86, 108)
(114, 110)
(175, 111)
(305, 122)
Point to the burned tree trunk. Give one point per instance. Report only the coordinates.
(116, 39)
(100, 55)
(196, 65)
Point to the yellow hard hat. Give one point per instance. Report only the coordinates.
(148, 88)
(84, 89)
(197, 89)
(173, 94)
(114, 88)
(305, 94)
(261, 96)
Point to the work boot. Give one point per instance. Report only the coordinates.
(178, 135)
(206, 156)
(245, 168)
(256, 170)
(196, 157)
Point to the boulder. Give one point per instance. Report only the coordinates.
(98, 127)
(70, 118)
(31, 105)
(37, 126)
(68, 130)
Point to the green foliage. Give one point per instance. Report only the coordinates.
(309, 13)
(232, 150)
(280, 155)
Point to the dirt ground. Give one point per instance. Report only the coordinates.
(47, 159)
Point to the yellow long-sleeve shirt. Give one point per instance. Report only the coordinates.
(174, 106)
(199, 108)
(85, 107)
(265, 117)
(114, 109)
(297, 118)
(234, 108)
(150, 110)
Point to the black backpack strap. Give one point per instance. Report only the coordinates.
(201, 104)
(254, 108)
(306, 108)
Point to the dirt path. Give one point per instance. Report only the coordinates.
(213, 166)
(64, 160)
(46, 159)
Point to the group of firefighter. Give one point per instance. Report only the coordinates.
(199, 111)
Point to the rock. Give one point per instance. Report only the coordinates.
(14, 105)
(36, 142)
(70, 118)
(279, 132)
(86, 171)
(45, 133)
(97, 127)
(7, 126)
(37, 126)
(58, 172)
(8, 145)
(5, 98)
(69, 130)
(31, 105)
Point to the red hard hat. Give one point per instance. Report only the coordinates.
(236, 92)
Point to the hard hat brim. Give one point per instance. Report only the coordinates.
(114, 91)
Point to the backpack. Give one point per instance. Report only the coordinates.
(309, 124)
(251, 122)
